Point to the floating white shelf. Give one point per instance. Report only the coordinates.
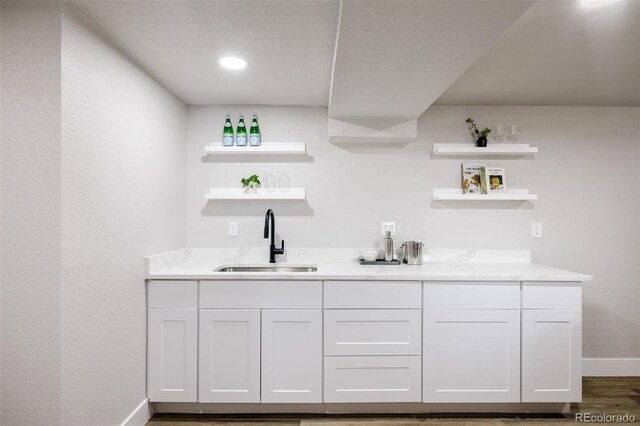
(273, 148)
(239, 194)
(455, 194)
(462, 149)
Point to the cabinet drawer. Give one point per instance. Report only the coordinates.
(372, 379)
(371, 294)
(173, 294)
(472, 295)
(261, 294)
(552, 295)
(372, 332)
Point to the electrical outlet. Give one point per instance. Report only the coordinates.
(536, 230)
(388, 226)
(233, 229)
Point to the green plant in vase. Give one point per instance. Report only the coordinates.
(479, 136)
(250, 184)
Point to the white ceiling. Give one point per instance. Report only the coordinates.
(393, 58)
(559, 54)
(289, 46)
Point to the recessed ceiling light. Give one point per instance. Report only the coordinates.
(232, 63)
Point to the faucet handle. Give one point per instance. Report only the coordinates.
(281, 249)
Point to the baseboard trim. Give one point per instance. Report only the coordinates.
(602, 367)
(140, 416)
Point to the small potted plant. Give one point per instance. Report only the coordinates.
(250, 184)
(479, 136)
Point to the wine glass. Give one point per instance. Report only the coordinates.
(270, 182)
(499, 133)
(513, 133)
(284, 184)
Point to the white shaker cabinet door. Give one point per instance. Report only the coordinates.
(291, 355)
(471, 356)
(173, 355)
(229, 355)
(551, 356)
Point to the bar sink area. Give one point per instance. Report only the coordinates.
(319, 212)
(266, 268)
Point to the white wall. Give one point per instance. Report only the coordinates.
(123, 181)
(585, 175)
(30, 227)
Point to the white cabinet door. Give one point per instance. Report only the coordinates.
(471, 356)
(551, 356)
(229, 355)
(291, 355)
(372, 379)
(173, 355)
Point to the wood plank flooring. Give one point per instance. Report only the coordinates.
(608, 395)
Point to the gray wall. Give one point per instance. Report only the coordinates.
(123, 183)
(93, 180)
(30, 195)
(585, 175)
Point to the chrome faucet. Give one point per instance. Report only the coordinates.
(272, 248)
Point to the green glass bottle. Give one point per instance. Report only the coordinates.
(241, 132)
(254, 131)
(227, 134)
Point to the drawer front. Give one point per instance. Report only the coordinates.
(173, 294)
(261, 294)
(472, 295)
(371, 294)
(548, 295)
(372, 379)
(372, 332)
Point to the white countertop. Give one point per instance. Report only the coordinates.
(341, 264)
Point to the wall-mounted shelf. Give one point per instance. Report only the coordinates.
(454, 194)
(239, 194)
(272, 148)
(469, 149)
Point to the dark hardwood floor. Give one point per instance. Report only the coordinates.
(600, 395)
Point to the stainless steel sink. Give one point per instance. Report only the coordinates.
(266, 268)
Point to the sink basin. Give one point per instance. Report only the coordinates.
(266, 268)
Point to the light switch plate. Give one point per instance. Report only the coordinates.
(233, 229)
(388, 226)
(536, 230)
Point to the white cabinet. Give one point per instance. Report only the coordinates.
(173, 355)
(471, 356)
(551, 356)
(551, 342)
(372, 341)
(292, 355)
(229, 364)
(286, 341)
(172, 365)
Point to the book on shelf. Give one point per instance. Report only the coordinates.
(471, 178)
(483, 179)
(495, 180)
(480, 179)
